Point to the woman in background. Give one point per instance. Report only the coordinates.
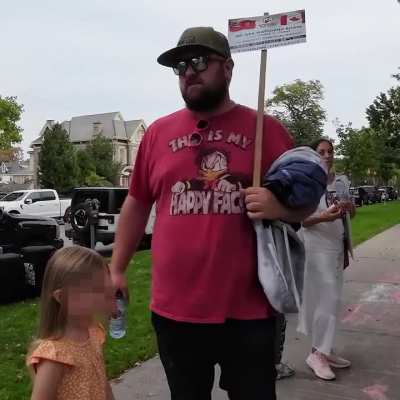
(326, 257)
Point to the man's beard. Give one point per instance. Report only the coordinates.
(209, 99)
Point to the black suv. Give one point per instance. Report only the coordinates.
(356, 196)
(20, 230)
(106, 202)
(26, 242)
(391, 192)
(372, 194)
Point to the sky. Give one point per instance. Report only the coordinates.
(76, 57)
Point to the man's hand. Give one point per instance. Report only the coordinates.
(120, 283)
(131, 226)
(261, 203)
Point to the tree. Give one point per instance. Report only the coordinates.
(100, 150)
(95, 180)
(12, 154)
(86, 167)
(356, 149)
(58, 168)
(10, 114)
(298, 106)
(387, 156)
(373, 154)
(384, 114)
(365, 155)
(384, 118)
(339, 166)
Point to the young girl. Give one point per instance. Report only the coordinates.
(66, 360)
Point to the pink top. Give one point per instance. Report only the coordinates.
(85, 376)
(203, 247)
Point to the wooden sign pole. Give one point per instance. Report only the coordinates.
(260, 122)
(258, 145)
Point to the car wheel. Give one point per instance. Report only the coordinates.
(79, 218)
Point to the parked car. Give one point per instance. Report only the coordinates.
(391, 192)
(18, 231)
(372, 194)
(356, 197)
(363, 195)
(41, 202)
(384, 194)
(27, 242)
(110, 200)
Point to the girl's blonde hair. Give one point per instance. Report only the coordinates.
(68, 266)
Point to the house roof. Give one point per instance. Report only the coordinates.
(131, 126)
(83, 128)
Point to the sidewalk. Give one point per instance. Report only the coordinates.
(369, 336)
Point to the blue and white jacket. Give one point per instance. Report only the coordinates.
(298, 178)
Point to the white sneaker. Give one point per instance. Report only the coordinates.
(319, 364)
(337, 362)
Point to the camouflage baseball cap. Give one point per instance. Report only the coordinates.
(194, 39)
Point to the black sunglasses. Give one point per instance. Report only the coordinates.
(198, 64)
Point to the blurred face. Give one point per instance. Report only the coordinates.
(325, 150)
(205, 90)
(91, 296)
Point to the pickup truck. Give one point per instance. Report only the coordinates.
(40, 202)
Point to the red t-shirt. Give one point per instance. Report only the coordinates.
(203, 247)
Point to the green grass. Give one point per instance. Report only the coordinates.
(18, 324)
(373, 219)
(18, 321)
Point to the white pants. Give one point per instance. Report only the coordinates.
(322, 292)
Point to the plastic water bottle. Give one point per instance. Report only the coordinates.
(117, 327)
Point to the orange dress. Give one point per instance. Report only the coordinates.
(85, 376)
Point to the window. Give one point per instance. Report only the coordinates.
(122, 156)
(35, 196)
(119, 198)
(47, 196)
(13, 196)
(101, 195)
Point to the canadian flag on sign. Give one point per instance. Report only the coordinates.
(238, 25)
(293, 18)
